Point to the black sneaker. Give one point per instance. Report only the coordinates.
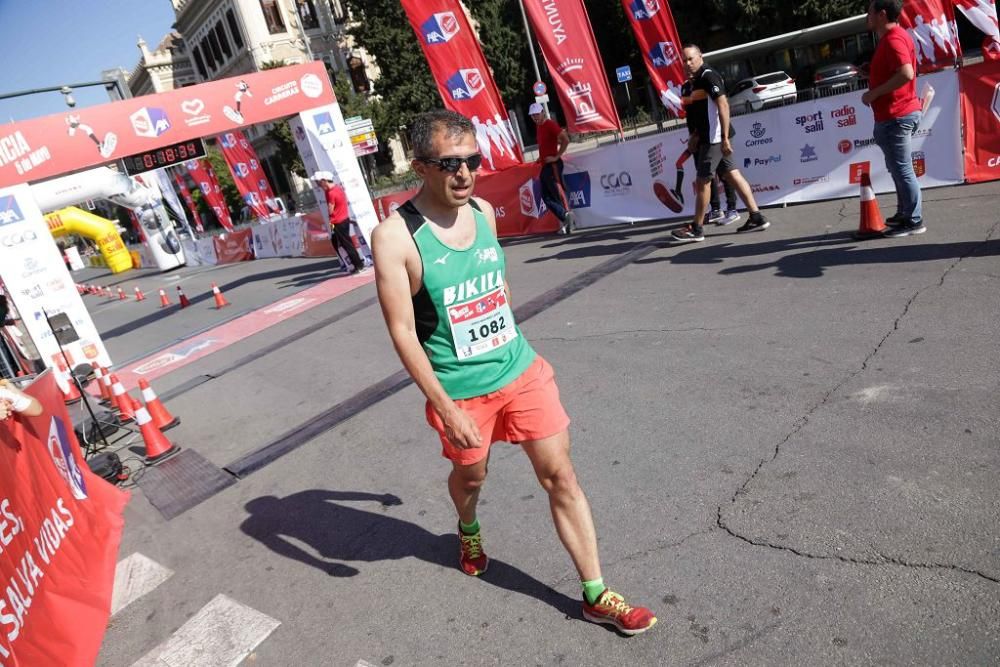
(756, 223)
(896, 221)
(905, 230)
(688, 234)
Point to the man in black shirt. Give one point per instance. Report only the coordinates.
(707, 109)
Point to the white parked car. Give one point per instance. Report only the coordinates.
(762, 91)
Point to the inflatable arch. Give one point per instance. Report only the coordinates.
(104, 232)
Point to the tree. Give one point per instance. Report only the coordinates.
(501, 32)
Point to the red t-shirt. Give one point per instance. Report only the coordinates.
(548, 138)
(894, 50)
(336, 202)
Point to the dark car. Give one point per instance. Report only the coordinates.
(836, 77)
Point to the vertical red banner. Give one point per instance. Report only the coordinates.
(563, 30)
(656, 32)
(980, 86)
(463, 77)
(931, 24)
(983, 15)
(203, 174)
(186, 195)
(247, 173)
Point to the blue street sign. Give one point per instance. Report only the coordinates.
(624, 74)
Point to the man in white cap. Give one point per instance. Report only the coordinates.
(340, 220)
(552, 143)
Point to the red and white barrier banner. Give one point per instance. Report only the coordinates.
(43, 147)
(983, 15)
(981, 117)
(284, 237)
(234, 247)
(563, 30)
(463, 77)
(804, 152)
(60, 526)
(931, 24)
(204, 176)
(186, 194)
(248, 174)
(655, 30)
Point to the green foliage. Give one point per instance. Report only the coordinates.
(225, 177)
(501, 31)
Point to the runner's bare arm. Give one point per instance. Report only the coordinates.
(491, 218)
(392, 248)
(723, 103)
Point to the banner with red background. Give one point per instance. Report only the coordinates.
(204, 176)
(563, 30)
(234, 246)
(655, 30)
(980, 85)
(247, 173)
(983, 15)
(464, 78)
(186, 195)
(42, 147)
(60, 526)
(931, 24)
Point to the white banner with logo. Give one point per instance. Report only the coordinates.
(810, 151)
(38, 282)
(279, 238)
(206, 251)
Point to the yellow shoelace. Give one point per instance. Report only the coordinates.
(472, 545)
(615, 603)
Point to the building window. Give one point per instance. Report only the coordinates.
(220, 33)
(337, 11)
(207, 52)
(234, 29)
(199, 63)
(216, 51)
(307, 14)
(272, 16)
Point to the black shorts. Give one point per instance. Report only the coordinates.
(710, 160)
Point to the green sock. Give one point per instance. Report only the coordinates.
(592, 590)
(470, 528)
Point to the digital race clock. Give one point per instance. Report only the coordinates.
(164, 156)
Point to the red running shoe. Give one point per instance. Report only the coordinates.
(471, 557)
(611, 609)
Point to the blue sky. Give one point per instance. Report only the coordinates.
(53, 42)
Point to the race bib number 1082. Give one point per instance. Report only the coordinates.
(482, 324)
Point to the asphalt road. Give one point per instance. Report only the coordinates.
(789, 439)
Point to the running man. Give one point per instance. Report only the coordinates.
(552, 143)
(710, 135)
(441, 278)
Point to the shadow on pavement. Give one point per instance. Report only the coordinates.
(343, 533)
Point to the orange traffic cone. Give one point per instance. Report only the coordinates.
(108, 293)
(220, 301)
(121, 295)
(164, 301)
(71, 394)
(158, 447)
(99, 374)
(107, 388)
(161, 416)
(126, 412)
(872, 224)
(183, 299)
(139, 296)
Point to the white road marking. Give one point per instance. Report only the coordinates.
(134, 577)
(222, 634)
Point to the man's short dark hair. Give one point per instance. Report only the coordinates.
(441, 120)
(892, 8)
(691, 46)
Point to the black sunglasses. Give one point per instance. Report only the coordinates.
(453, 164)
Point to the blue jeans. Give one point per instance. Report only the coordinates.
(893, 137)
(553, 189)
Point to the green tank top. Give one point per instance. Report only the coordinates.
(463, 317)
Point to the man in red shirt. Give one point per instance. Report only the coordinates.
(552, 143)
(340, 221)
(892, 95)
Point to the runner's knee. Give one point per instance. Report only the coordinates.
(560, 481)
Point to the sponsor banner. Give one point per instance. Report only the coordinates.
(170, 198)
(464, 78)
(563, 30)
(61, 527)
(186, 195)
(206, 251)
(316, 235)
(931, 24)
(655, 30)
(981, 116)
(234, 247)
(804, 152)
(284, 237)
(191, 253)
(248, 174)
(44, 147)
(204, 177)
(37, 280)
(983, 15)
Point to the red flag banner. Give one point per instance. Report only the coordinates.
(563, 30)
(60, 526)
(203, 174)
(463, 77)
(656, 33)
(983, 15)
(247, 173)
(980, 86)
(931, 24)
(186, 194)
